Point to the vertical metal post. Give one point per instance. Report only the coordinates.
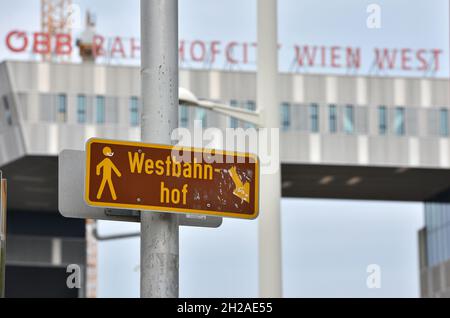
(270, 277)
(159, 76)
(2, 235)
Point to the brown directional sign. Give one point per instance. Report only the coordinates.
(146, 177)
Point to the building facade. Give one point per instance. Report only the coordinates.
(347, 137)
(434, 244)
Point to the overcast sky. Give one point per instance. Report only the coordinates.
(327, 245)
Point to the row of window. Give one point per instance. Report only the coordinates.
(339, 117)
(249, 105)
(201, 115)
(399, 119)
(99, 109)
(348, 118)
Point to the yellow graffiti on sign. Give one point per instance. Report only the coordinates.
(242, 191)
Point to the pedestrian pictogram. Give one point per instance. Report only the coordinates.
(106, 168)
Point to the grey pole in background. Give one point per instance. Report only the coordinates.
(270, 275)
(159, 76)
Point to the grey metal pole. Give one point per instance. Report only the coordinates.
(159, 75)
(270, 273)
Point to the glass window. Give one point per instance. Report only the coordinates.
(349, 119)
(251, 105)
(440, 238)
(399, 123)
(7, 111)
(285, 116)
(81, 109)
(314, 117)
(201, 115)
(333, 118)
(184, 116)
(446, 243)
(444, 122)
(382, 120)
(134, 111)
(234, 123)
(62, 108)
(100, 110)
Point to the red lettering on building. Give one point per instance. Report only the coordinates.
(302, 53)
(353, 57)
(229, 53)
(42, 43)
(98, 46)
(214, 50)
(335, 56)
(323, 54)
(195, 47)
(436, 54)
(182, 51)
(17, 35)
(406, 59)
(423, 64)
(384, 57)
(118, 48)
(63, 44)
(134, 47)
